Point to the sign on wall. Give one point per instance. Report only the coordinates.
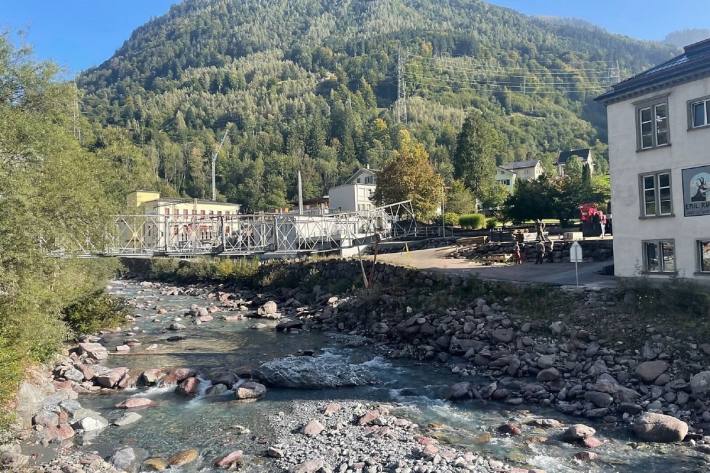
(696, 191)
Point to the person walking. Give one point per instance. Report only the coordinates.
(540, 252)
(549, 248)
(517, 253)
(602, 222)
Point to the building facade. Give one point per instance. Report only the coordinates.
(659, 154)
(528, 170)
(355, 194)
(506, 178)
(584, 155)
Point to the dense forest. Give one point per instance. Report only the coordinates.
(312, 85)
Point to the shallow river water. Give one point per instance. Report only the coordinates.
(212, 424)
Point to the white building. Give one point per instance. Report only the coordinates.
(584, 155)
(356, 193)
(506, 178)
(528, 170)
(659, 153)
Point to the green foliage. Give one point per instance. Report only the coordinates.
(477, 147)
(472, 221)
(492, 223)
(459, 199)
(310, 85)
(451, 219)
(95, 312)
(203, 269)
(410, 176)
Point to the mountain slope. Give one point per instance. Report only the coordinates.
(310, 85)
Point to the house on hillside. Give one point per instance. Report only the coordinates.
(584, 155)
(506, 178)
(659, 155)
(355, 193)
(528, 170)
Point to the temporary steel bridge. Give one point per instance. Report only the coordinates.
(245, 235)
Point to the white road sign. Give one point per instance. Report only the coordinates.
(575, 253)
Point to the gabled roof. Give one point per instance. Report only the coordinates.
(505, 171)
(583, 154)
(359, 172)
(530, 163)
(693, 64)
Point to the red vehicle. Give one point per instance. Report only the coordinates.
(594, 221)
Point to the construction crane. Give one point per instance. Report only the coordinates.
(214, 162)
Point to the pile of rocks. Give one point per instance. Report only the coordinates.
(594, 250)
(349, 436)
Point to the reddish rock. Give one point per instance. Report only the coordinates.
(249, 390)
(332, 408)
(110, 378)
(313, 428)
(94, 350)
(86, 370)
(57, 433)
(510, 429)
(176, 376)
(136, 403)
(591, 442)
(189, 387)
(230, 460)
(152, 376)
(369, 417)
(586, 456)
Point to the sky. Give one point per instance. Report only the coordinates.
(78, 34)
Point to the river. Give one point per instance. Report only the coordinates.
(211, 423)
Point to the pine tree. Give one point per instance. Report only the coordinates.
(477, 146)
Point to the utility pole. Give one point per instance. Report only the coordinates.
(401, 89)
(300, 194)
(214, 162)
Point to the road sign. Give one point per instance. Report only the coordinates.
(575, 256)
(575, 253)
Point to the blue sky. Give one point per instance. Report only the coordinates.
(79, 34)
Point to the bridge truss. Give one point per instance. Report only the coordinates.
(244, 235)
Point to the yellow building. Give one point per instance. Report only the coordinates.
(173, 222)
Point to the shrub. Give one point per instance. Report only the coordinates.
(492, 223)
(472, 221)
(451, 219)
(164, 269)
(95, 312)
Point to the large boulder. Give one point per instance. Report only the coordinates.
(700, 383)
(249, 390)
(126, 459)
(312, 373)
(652, 427)
(110, 378)
(577, 433)
(94, 350)
(269, 310)
(549, 374)
(649, 371)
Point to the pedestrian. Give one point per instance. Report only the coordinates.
(517, 253)
(597, 220)
(549, 248)
(540, 229)
(540, 259)
(602, 222)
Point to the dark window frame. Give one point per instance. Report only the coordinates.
(691, 115)
(657, 194)
(699, 256)
(661, 259)
(651, 104)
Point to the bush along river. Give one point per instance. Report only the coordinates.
(207, 379)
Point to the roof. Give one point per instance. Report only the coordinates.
(530, 163)
(167, 200)
(693, 64)
(583, 154)
(352, 178)
(503, 170)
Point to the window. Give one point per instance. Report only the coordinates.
(656, 195)
(653, 128)
(704, 256)
(699, 113)
(659, 256)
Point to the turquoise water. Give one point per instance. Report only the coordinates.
(215, 424)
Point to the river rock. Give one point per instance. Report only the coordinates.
(586, 456)
(125, 459)
(503, 335)
(90, 421)
(136, 403)
(57, 433)
(577, 432)
(652, 427)
(110, 378)
(332, 408)
(94, 350)
(230, 460)
(184, 457)
(249, 390)
(175, 326)
(152, 376)
(648, 371)
(459, 391)
(312, 466)
(700, 383)
(189, 387)
(155, 464)
(311, 373)
(313, 428)
(269, 310)
(127, 419)
(549, 374)
(599, 399)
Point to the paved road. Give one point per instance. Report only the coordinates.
(434, 259)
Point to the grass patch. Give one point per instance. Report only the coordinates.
(96, 312)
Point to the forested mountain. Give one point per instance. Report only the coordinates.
(685, 37)
(311, 85)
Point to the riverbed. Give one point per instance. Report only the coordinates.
(213, 424)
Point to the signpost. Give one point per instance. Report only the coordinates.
(575, 256)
